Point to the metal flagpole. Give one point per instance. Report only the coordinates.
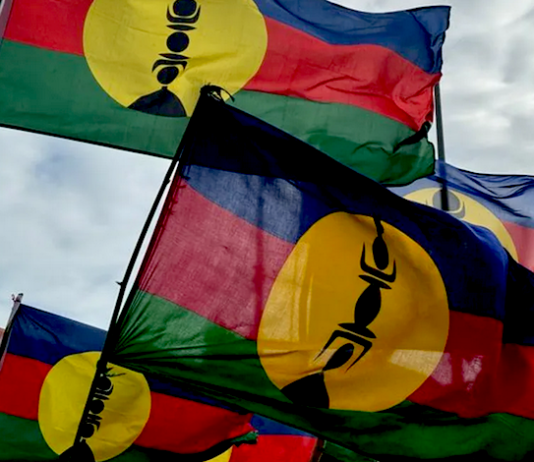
(80, 447)
(441, 150)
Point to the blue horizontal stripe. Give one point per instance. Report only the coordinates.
(270, 203)
(283, 186)
(417, 34)
(47, 337)
(267, 426)
(508, 197)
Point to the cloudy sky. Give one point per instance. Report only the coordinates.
(70, 213)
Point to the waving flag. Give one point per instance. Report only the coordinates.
(320, 299)
(276, 442)
(502, 203)
(128, 74)
(44, 382)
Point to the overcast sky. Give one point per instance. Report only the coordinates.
(70, 213)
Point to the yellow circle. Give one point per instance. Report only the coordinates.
(123, 42)
(469, 210)
(63, 398)
(313, 300)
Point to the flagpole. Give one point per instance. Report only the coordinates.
(103, 361)
(441, 149)
(317, 450)
(5, 9)
(17, 300)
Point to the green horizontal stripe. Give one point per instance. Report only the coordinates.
(166, 335)
(178, 345)
(21, 439)
(358, 138)
(55, 93)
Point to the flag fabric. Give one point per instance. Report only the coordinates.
(127, 74)
(44, 382)
(331, 452)
(276, 442)
(502, 203)
(318, 298)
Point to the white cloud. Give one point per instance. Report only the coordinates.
(71, 214)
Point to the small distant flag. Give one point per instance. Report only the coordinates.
(357, 85)
(320, 299)
(44, 382)
(503, 204)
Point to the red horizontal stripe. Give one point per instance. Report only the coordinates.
(367, 76)
(271, 448)
(478, 375)
(523, 238)
(21, 380)
(51, 24)
(183, 426)
(224, 277)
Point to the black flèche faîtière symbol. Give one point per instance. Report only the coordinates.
(311, 390)
(182, 15)
(104, 388)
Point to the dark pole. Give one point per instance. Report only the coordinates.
(317, 451)
(17, 300)
(104, 357)
(441, 150)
